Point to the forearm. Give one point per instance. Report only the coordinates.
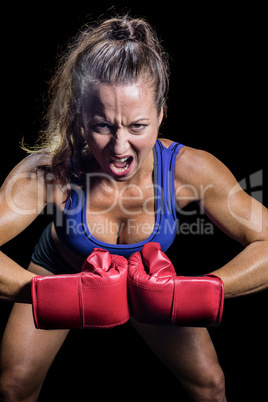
(15, 282)
(247, 273)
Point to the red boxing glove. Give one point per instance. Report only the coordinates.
(158, 296)
(94, 298)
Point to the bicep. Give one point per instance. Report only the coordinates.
(236, 213)
(224, 201)
(233, 210)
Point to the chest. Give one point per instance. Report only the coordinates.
(121, 214)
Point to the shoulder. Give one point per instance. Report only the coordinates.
(23, 182)
(31, 177)
(197, 163)
(31, 163)
(29, 170)
(198, 172)
(190, 161)
(196, 169)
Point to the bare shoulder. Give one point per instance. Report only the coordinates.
(27, 177)
(197, 165)
(192, 163)
(31, 163)
(23, 196)
(198, 172)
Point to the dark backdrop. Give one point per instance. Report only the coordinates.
(216, 103)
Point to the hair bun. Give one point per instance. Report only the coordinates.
(123, 29)
(120, 32)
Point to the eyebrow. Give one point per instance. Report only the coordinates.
(104, 120)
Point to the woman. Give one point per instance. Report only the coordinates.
(101, 146)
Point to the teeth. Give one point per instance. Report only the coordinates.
(120, 170)
(118, 160)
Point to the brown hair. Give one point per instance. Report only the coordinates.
(119, 50)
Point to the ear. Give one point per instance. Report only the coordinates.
(160, 117)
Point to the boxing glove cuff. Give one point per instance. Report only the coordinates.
(197, 301)
(158, 296)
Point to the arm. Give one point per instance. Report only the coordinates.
(241, 217)
(22, 198)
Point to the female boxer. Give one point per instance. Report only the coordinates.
(111, 182)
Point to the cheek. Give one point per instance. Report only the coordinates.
(95, 143)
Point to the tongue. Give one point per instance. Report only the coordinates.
(120, 165)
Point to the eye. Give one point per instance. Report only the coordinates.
(137, 127)
(101, 128)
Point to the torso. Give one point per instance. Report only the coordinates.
(117, 213)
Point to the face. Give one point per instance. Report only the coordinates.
(121, 126)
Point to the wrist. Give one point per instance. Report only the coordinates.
(22, 294)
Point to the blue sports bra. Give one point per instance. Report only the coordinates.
(73, 231)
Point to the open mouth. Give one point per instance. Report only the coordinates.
(120, 165)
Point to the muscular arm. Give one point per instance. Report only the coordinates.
(241, 217)
(22, 198)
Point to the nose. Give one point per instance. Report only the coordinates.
(119, 142)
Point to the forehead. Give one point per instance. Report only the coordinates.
(119, 98)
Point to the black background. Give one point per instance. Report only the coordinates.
(216, 103)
